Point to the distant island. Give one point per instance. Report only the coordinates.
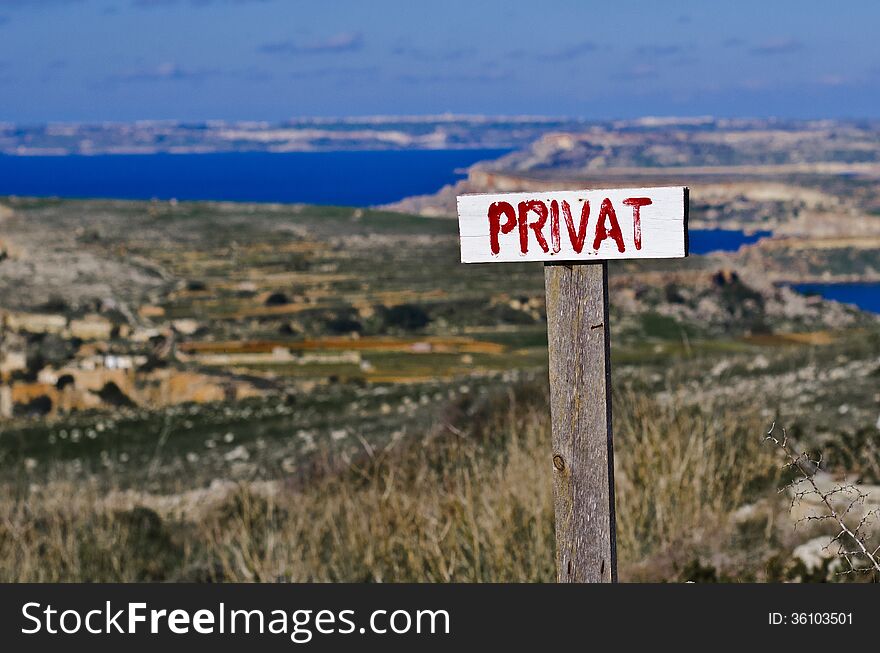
(443, 132)
(438, 132)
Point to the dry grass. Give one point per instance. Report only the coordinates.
(456, 511)
(681, 472)
(460, 506)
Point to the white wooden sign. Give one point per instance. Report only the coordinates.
(576, 225)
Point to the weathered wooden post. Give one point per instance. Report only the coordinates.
(625, 223)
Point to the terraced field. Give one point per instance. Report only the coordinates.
(165, 345)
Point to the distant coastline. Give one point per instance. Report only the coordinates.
(437, 132)
(443, 132)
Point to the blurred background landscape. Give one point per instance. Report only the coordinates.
(237, 344)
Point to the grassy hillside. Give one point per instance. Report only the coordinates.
(256, 392)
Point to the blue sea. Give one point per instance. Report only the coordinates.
(352, 178)
(705, 241)
(864, 295)
(355, 178)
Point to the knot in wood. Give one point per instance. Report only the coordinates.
(559, 462)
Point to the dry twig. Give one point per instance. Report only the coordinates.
(852, 543)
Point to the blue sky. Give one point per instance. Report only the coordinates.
(95, 60)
